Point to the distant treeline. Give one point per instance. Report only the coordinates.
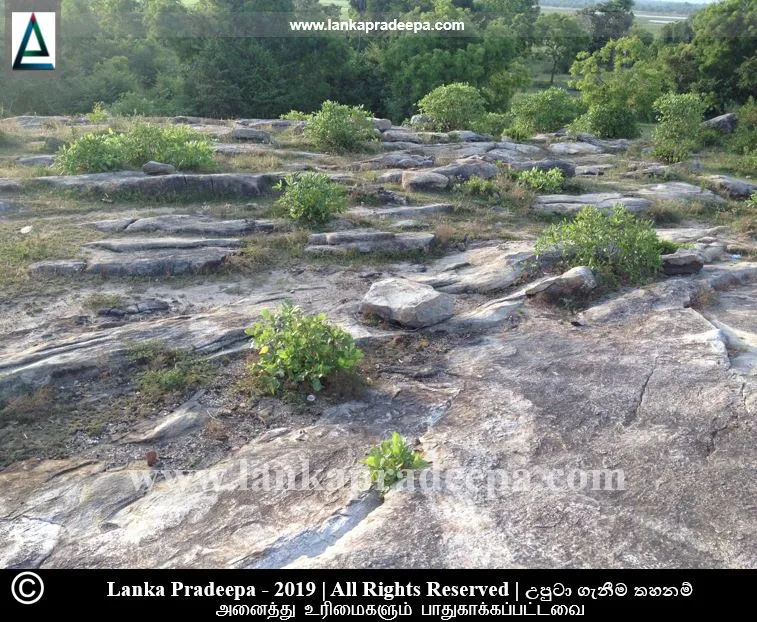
(221, 58)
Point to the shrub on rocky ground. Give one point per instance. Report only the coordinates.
(542, 181)
(311, 198)
(678, 131)
(292, 346)
(338, 128)
(615, 244)
(456, 106)
(545, 111)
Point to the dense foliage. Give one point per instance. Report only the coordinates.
(338, 128)
(453, 106)
(311, 198)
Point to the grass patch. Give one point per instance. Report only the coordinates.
(97, 302)
(165, 370)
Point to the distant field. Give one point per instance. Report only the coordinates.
(650, 21)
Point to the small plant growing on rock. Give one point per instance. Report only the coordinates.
(338, 128)
(166, 370)
(390, 460)
(293, 346)
(311, 198)
(98, 114)
(614, 244)
(455, 106)
(541, 181)
(295, 115)
(751, 202)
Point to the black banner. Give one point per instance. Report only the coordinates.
(383, 594)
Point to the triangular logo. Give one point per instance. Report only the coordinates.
(24, 52)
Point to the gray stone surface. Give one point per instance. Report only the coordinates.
(393, 136)
(131, 244)
(407, 303)
(156, 263)
(419, 181)
(60, 267)
(158, 168)
(676, 191)
(367, 241)
(466, 136)
(568, 204)
(682, 262)
(37, 160)
(732, 187)
(395, 160)
(463, 170)
(572, 149)
(576, 282)
(725, 123)
(568, 169)
(197, 225)
(251, 134)
(406, 211)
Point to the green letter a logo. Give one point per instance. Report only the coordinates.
(23, 52)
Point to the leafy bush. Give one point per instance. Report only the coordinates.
(493, 123)
(300, 348)
(389, 462)
(92, 153)
(751, 202)
(743, 141)
(550, 181)
(456, 106)
(311, 198)
(337, 128)
(545, 111)
(295, 115)
(612, 120)
(97, 152)
(478, 187)
(614, 244)
(678, 130)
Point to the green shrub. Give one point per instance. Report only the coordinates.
(493, 123)
(743, 141)
(135, 105)
(389, 462)
(549, 181)
(478, 187)
(612, 120)
(337, 128)
(678, 129)
(92, 153)
(614, 244)
(545, 111)
(456, 106)
(297, 347)
(97, 152)
(295, 115)
(311, 198)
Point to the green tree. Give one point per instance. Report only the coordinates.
(607, 21)
(561, 37)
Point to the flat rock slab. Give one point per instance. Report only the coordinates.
(420, 181)
(156, 263)
(572, 149)
(240, 185)
(481, 270)
(9, 186)
(367, 241)
(572, 204)
(593, 170)
(251, 134)
(61, 267)
(682, 262)
(463, 170)
(38, 160)
(125, 245)
(676, 191)
(466, 136)
(575, 282)
(407, 303)
(393, 136)
(188, 416)
(395, 161)
(198, 225)
(568, 168)
(406, 211)
(732, 187)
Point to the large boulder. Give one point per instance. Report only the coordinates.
(424, 180)
(463, 170)
(574, 149)
(158, 168)
(732, 187)
(394, 136)
(410, 304)
(682, 262)
(725, 123)
(251, 134)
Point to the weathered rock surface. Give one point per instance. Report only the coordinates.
(419, 181)
(393, 136)
(466, 136)
(571, 149)
(251, 134)
(407, 303)
(572, 204)
(676, 191)
(463, 170)
(406, 211)
(732, 187)
(241, 185)
(196, 225)
(158, 168)
(396, 160)
(575, 282)
(480, 270)
(38, 160)
(125, 245)
(725, 123)
(58, 267)
(367, 241)
(682, 262)
(568, 169)
(156, 263)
